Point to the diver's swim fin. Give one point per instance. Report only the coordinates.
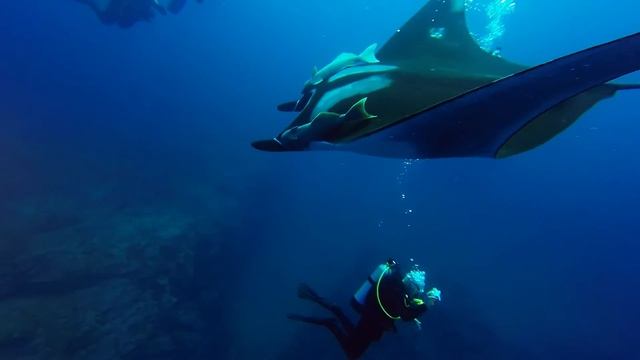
(307, 293)
(271, 145)
(312, 320)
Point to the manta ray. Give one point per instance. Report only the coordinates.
(432, 92)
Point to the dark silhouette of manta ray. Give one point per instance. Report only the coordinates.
(433, 92)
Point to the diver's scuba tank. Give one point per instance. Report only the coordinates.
(360, 297)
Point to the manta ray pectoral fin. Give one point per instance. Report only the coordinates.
(369, 54)
(358, 112)
(481, 121)
(288, 106)
(437, 36)
(549, 124)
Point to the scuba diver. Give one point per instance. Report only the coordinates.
(125, 13)
(389, 294)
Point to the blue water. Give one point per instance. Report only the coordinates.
(128, 188)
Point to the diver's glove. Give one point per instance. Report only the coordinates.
(434, 295)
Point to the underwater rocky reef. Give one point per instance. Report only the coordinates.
(116, 265)
(131, 284)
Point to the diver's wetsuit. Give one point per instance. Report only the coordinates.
(373, 322)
